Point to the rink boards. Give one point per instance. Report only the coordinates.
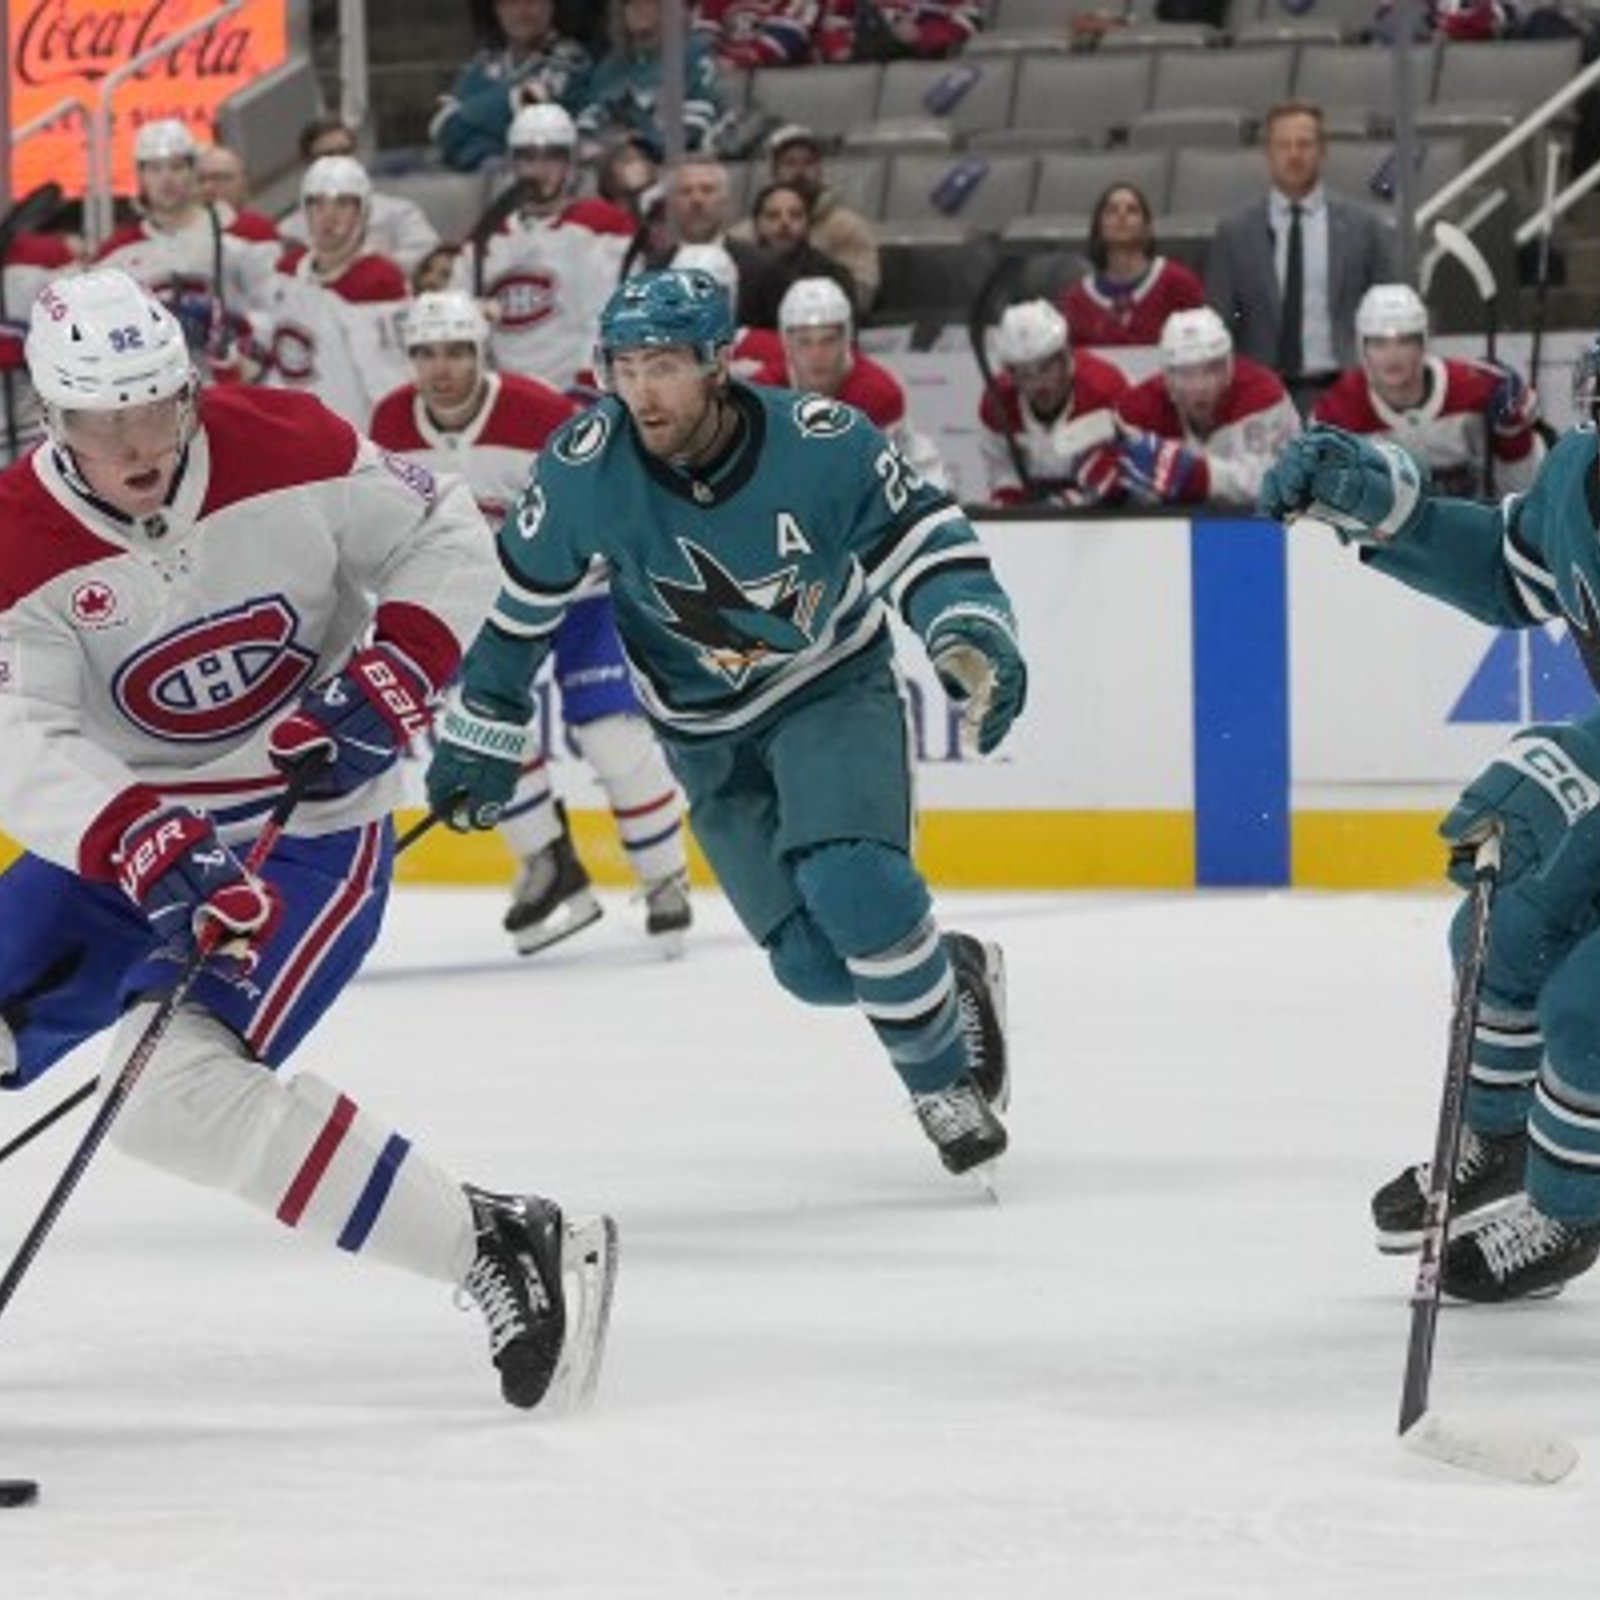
(1213, 702)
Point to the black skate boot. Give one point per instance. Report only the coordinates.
(668, 914)
(1488, 1171)
(1518, 1253)
(981, 993)
(958, 1120)
(552, 899)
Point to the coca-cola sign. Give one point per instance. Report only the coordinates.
(66, 48)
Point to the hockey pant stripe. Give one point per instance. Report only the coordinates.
(1563, 1176)
(317, 1162)
(908, 992)
(299, 970)
(355, 1231)
(1507, 1052)
(628, 813)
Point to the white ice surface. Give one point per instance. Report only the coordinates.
(1167, 1365)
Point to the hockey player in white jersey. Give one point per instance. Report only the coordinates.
(206, 272)
(200, 592)
(337, 305)
(1205, 428)
(554, 262)
(458, 416)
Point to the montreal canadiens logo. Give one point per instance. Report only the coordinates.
(217, 678)
(294, 351)
(94, 605)
(821, 418)
(526, 299)
(584, 439)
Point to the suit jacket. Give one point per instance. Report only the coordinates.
(1242, 282)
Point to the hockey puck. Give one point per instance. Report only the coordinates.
(18, 1491)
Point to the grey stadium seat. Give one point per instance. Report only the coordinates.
(825, 99)
(1072, 181)
(986, 103)
(1349, 77)
(859, 181)
(1511, 72)
(1363, 169)
(1083, 97)
(1353, 18)
(1005, 191)
(1242, 79)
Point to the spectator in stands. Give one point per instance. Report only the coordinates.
(1287, 271)
(620, 95)
(222, 185)
(195, 261)
(435, 272)
(396, 227)
(1473, 424)
(781, 219)
(886, 30)
(838, 231)
(744, 34)
(1206, 427)
(524, 60)
(337, 303)
(554, 261)
(1048, 423)
(1130, 291)
(627, 170)
(816, 324)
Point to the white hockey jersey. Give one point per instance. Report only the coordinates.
(549, 278)
(340, 338)
(143, 664)
(172, 264)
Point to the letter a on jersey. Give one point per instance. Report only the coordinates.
(792, 539)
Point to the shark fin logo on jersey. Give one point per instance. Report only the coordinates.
(585, 439)
(738, 626)
(530, 511)
(818, 417)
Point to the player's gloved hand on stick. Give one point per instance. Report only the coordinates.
(1513, 407)
(1159, 471)
(356, 723)
(191, 885)
(982, 670)
(1365, 489)
(476, 764)
(1536, 789)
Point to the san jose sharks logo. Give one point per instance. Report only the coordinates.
(738, 626)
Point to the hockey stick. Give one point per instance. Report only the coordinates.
(84, 1090)
(1514, 1454)
(145, 1047)
(496, 212)
(1006, 271)
(1457, 243)
(1541, 300)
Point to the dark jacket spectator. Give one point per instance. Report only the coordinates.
(783, 253)
(620, 95)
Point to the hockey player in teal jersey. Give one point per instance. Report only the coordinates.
(755, 538)
(1528, 1169)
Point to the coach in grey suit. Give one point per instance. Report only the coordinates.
(1298, 245)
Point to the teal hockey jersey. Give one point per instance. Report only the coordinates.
(737, 586)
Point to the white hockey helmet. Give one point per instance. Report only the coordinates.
(542, 127)
(336, 178)
(714, 259)
(445, 316)
(1030, 332)
(1391, 311)
(164, 139)
(815, 303)
(102, 342)
(1194, 338)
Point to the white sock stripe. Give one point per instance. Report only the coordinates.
(903, 1011)
(1562, 1152)
(906, 959)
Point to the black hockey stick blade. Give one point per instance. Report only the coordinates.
(1512, 1454)
(33, 210)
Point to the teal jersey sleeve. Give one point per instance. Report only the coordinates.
(1517, 564)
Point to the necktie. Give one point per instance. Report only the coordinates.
(1291, 357)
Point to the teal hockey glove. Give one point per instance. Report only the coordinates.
(476, 765)
(1537, 788)
(1365, 489)
(982, 670)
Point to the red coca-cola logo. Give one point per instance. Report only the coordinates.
(59, 39)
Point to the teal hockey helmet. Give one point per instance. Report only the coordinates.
(675, 305)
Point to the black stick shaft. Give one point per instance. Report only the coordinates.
(1452, 1103)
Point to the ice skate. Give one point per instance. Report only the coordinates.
(668, 913)
(962, 1127)
(1488, 1172)
(552, 898)
(981, 993)
(1520, 1252)
(544, 1286)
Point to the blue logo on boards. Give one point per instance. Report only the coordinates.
(1527, 675)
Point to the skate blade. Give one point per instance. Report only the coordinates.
(983, 1177)
(1514, 1455)
(670, 945)
(994, 962)
(589, 1278)
(569, 918)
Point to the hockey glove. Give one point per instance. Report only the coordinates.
(357, 724)
(1365, 489)
(983, 672)
(191, 886)
(1158, 471)
(1536, 788)
(1513, 407)
(476, 765)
